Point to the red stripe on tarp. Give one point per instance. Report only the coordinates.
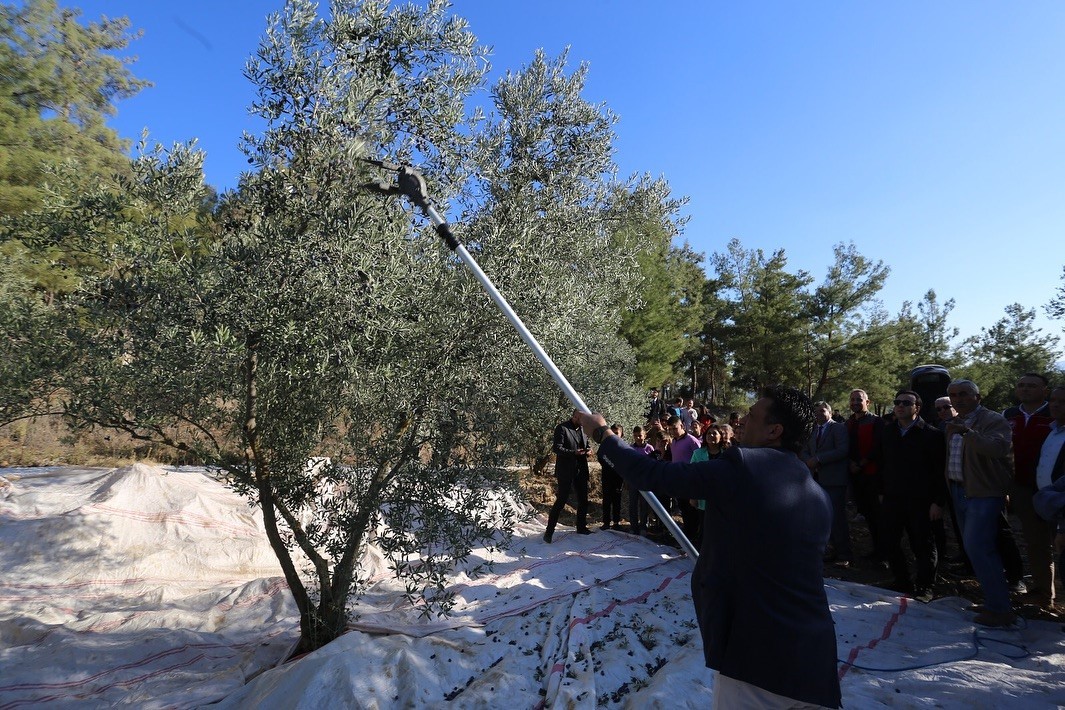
(888, 628)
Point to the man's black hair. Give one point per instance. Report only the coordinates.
(1046, 382)
(793, 410)
(673, 420)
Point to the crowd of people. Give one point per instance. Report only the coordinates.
(907, 474)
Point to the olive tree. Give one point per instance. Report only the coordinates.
(315, 318)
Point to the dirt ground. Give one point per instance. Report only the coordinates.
(953, 581)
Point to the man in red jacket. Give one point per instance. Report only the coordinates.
(866, 431)
(1031, 421)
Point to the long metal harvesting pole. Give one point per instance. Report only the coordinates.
(412, 185)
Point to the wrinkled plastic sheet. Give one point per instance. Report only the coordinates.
(156, 588)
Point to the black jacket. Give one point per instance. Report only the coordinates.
(758, 588)
(568, 439)
(912, 466)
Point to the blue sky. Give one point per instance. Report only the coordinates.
(932, 135)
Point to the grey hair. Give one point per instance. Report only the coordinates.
(967, 384)
(821, 403)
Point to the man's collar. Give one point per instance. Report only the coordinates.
(1039, 409)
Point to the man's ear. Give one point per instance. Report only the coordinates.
(776, 432)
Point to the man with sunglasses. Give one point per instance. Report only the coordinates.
(915, 493)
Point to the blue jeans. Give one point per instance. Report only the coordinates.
(841, 533)
(978, 520)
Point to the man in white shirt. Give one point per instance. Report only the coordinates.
(1051, 466)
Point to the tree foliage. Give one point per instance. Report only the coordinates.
(31, 343)
(313, 317)
(1056, 306)
(1004, 351)
(766, 321)
(660, 315)
(59, 81)
(845, 322)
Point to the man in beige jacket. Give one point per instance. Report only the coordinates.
(979, 473)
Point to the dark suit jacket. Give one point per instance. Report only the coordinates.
(655, 408)
(758, 588)
(833, 464)
(912, 465)
(568, 439)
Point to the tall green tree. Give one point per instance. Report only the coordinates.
(1003, 352)
(845, 323)
(311, 320)
(768, 316)
(661, 316)
(713, 358)
(928, 334)
(59, 81)
(544, 164)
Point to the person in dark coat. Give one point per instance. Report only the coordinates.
(825, 454)
(570, 445)
(612, 484)
(655, 407)
(757, 587)
(915, 493)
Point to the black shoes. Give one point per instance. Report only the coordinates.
(550, 534)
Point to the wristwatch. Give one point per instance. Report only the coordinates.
(599, 433)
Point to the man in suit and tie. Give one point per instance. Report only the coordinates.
(826, 456)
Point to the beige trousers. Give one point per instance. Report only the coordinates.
(732, 694)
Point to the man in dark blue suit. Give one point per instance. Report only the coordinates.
(757, 587)
(826, 455)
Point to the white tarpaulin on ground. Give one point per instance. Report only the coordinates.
(156, 588)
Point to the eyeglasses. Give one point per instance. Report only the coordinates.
(943, 407)
(904, 403)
